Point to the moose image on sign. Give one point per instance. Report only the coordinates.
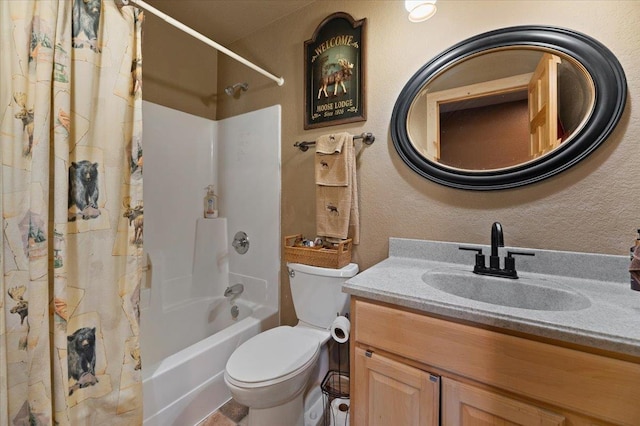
(336, 78)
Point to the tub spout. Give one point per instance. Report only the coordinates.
(234, 290)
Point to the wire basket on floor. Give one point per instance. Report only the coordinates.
(335, 390)
(336, 384)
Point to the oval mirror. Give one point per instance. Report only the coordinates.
(508, 107)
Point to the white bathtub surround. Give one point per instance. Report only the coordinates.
(188, 332)
(210, 256)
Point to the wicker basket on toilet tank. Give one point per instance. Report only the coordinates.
(334, 258)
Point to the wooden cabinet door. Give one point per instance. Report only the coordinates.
(393, 393)
(466, 405)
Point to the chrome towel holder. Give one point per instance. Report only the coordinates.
(367, 138)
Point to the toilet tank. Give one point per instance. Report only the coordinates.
(317, 292)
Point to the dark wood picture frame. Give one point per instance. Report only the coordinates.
(334, 72)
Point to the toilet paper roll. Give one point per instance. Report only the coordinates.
(340, 329)
(339, 412)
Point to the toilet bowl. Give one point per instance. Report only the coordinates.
(278, 374)
(269, 373)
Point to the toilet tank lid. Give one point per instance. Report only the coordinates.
(345, 272)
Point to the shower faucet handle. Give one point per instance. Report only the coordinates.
(241, 242)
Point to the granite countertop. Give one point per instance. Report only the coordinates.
(611, 322)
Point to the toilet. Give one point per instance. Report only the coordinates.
(269, 373)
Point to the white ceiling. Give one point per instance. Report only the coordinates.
(226, 21)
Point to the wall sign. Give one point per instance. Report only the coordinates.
(334, 74)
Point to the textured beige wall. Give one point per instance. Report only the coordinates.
(592, 207)
(178, 71)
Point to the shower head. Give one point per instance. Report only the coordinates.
(230, 90)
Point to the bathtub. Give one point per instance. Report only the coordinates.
(183, 387)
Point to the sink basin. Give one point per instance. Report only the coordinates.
(524, 293)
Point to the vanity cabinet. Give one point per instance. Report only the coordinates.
(409, 368)
(467, 405)
(393, 393)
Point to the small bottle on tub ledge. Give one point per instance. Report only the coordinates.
(210, 203)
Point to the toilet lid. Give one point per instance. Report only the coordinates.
(271, 354)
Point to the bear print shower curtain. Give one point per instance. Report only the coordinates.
(72, 212)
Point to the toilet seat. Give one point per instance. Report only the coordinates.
(271, 356)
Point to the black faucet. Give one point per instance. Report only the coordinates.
(497, 240)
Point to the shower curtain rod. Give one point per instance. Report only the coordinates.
(179, 25)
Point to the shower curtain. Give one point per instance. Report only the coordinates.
(72, 212)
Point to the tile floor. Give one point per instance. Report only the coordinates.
(230, 414)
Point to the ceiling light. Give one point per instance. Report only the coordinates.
(420, 10)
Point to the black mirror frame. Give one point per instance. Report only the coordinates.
(610, 98)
